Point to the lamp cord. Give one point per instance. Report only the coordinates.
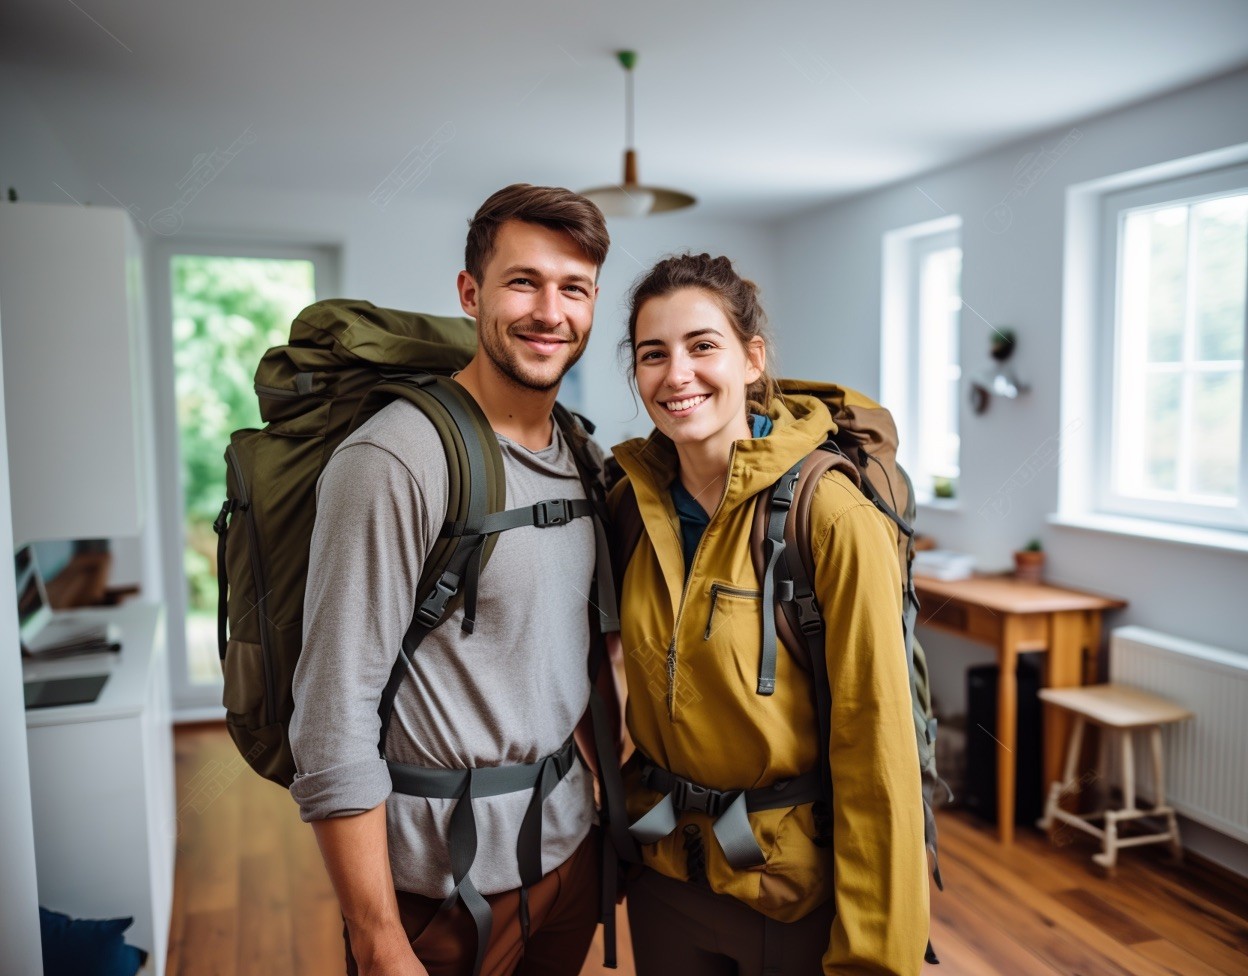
(628, 109)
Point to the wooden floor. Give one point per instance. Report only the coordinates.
(251, 896)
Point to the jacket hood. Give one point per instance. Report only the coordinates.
(800, 424)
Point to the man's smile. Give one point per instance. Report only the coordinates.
(544, 343)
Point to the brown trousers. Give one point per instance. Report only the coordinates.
(563, 912)
(683, 929)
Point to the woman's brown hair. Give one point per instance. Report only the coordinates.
(737, 298)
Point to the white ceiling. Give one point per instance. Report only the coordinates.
(757, 109)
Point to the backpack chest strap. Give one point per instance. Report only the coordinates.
(543, 515)
(464, 566)
(730, 808)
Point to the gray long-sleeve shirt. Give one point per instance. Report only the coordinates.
(512, 692)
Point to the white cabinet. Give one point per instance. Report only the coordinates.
(71, 315)
(102, 786)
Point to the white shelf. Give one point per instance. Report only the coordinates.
(101, 784)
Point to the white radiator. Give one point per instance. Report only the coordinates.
(1207, 756)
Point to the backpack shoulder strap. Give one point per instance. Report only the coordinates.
(781, 531)
(475, 487)
(576, 430)
(798, 562)
(626, 530)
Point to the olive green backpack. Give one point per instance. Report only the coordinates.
(345, 361)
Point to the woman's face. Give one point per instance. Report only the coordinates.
(692, 370)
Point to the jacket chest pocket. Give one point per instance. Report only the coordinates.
(728, 603)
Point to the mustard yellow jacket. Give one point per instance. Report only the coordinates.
(707, 723)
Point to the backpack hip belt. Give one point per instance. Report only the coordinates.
(466, 785)
(730, 808)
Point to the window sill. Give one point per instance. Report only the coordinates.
(1202, 537)
(940, 504)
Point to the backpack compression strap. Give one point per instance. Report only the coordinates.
(221, 527)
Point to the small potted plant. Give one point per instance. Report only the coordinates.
(944, 487)
(1029, 562)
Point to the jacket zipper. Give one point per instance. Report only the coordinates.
(684, 594)
(716, 590)
(257, 573)
(671, 676)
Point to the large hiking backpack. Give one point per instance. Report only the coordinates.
(864, 447)
(345, 360)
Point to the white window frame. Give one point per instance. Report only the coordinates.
(903, 251)
(193, 702)
(1082, 389)
(1114, 208)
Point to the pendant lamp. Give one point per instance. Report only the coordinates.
(630, 198)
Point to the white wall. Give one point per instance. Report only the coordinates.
(829, 273)
(19, 898)
(33, 160)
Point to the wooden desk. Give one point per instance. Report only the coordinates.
(1015, 617)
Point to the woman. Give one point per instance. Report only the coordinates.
(779, 890)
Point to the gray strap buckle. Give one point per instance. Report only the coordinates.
(552, 511)
(691, 796)
(431, 610)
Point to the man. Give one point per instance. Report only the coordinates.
(508, 694)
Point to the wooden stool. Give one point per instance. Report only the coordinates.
(1121, 710)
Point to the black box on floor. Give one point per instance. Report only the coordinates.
(980, 792)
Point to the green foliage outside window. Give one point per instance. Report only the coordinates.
(226, 313)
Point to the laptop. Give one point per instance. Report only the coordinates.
(41, 628)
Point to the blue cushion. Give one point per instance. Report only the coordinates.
(87, 947)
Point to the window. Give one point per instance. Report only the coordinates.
(226, 312)
(216, 307)
(921, 374)
(1171, 412)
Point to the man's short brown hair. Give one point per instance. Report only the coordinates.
(548, 206)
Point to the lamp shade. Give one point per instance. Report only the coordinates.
(630, 198)
(620, 201)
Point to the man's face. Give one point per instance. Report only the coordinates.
(534, 305)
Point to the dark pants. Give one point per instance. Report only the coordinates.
(682, 929)
(563, 912)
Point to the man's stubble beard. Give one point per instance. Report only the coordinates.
(505, 362)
